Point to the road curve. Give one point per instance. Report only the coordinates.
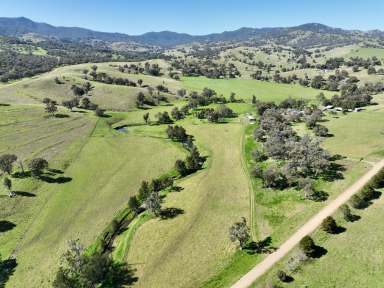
(306, 229)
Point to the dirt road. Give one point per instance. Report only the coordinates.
(306, 229)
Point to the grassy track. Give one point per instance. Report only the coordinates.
(196, 244)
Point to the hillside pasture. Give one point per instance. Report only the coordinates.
(244, 89)
(196, 243)
(27, 132)
(108, 96)
(367, 53)
(100, 178)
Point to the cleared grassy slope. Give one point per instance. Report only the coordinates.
(111, 97)
(108, 170)
(196, 244)
(266, 91)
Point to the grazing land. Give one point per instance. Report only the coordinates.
(245, 89)
(104, 173)
(158, 161)
(209, 201)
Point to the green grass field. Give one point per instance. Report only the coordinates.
(366, 52)
(196, 243)
(266, 91)
(102, 168)
(101, 176)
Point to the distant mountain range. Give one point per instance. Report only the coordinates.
(307, 35)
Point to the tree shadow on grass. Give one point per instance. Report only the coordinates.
(288, 279)
(61, 116)
(21, 175)
(55, 171)
(170, 213)
(177, 188)
(355, 217)
(263, 246)
(6, 225)
(25, 194)
(339, 230)
(368, 202)
(7, 268)
(58, 180)
(79, 111)
(319, 252)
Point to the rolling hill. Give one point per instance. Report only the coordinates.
(307, 35)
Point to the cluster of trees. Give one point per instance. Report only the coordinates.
(152, 69)
(299, 157)
(50, 106)
(177, 133)
(149, 69)
(148, 195)
(352, 96)
(163, 118)
(7, 162)
(82, 90)
(78, 269)
(357, 62)
(215, 115)
(107, 79)
(368, 193)
(15, 65)
(194, 161)
(131, 68)
(151, 99)
(209, 96)
(207, 68)
(81, 99)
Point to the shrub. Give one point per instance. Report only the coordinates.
(329, 225)
(307, 246)
(347, 214)
(259, 155)
(283, 277)
(367, 193)
(37, 165)
(357, 202)
(99, 112)
(181, 168)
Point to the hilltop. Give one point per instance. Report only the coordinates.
(306, 35)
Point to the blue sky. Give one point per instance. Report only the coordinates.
(196, 16)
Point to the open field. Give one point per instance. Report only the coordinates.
(81, 206)
(26, 132)
(195, 243)
(265, 91)
(358, 135)
(366, 52)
